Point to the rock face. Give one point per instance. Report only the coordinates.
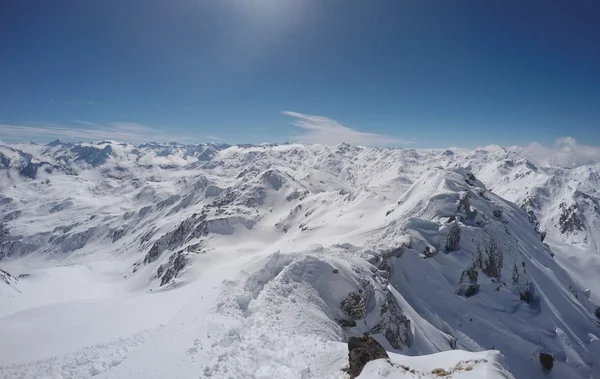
(389, 321)
(569, 220)
(394, 325)
(362, 350)
(177, 263)
(6, 277)
(355, 305)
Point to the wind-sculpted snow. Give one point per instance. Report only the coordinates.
(262, 261)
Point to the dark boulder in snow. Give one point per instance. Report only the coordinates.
(362, 350)
(469, 290)
(526, 296)
(547, 361)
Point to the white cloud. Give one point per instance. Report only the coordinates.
(119, 131)
(565, 152)
(323, 130)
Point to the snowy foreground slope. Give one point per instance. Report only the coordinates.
(187, 261)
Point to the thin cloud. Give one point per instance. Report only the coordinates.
(565, 152)
(326, 131)
(86, 123)
(119, 131)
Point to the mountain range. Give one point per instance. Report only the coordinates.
(262, 261)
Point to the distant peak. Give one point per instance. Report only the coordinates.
(56, 142)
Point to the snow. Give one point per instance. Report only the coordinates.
(266, 244)
(453, 364)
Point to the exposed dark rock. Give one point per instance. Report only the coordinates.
(346, 323)
(491, 262)
(30, 170)
(526, 296)
(394, 325)
(469, 290)
(117, 234)
(547, 361)
(453, 237)
(92, 155)
(470, 179)
(4, 161)
(12, 215)
(529, 205)
(465, 205)
(471, 274)
(362, 350)
(178, 262)
(75, 241)
(429, 252)
(355, 305)
(598, 312)
(335, 271)
(515, 274)
(497, 213)
(543, 236)
(6, 277)
(569, 220)
(175, 238)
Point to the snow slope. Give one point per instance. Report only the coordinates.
(187, 261)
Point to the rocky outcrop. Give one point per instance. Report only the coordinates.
(173, 239)
(530, 206)
(390, 321)
(362, 350)
(30, 170)
(453, 237)
(177, 263)
(7, 278)
(490, 259)
(355, 305)
(393, 324)
(468, 278)
(464, 206)
(569, 220)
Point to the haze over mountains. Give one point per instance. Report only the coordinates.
(210, 260)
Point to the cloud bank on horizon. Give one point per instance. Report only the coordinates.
(564, 152)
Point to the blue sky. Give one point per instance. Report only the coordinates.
(387, 72)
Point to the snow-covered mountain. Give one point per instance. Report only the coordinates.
(187, 261)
